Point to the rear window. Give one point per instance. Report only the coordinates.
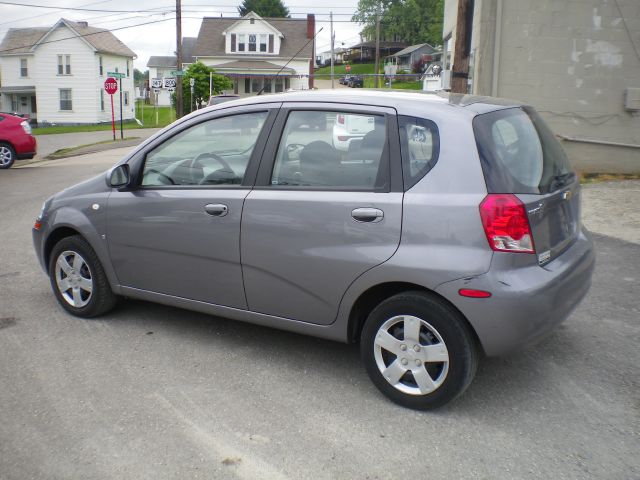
(519, 153)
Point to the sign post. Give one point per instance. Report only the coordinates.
(192, 82)
(119, 76)
(111, 87)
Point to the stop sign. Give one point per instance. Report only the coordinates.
(111, 85)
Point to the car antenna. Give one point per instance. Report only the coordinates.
(291, 59)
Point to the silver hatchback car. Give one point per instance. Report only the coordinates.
(449, 228)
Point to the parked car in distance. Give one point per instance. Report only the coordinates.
(356, 82)
(344, 80)
(348, 130)
(451, 230)
(16, 140)
(218, 99)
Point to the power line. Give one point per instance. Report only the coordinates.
(80, 9)
(85, 35)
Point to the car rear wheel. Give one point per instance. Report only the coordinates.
(78, 279)
(418, 350)
(7, 155)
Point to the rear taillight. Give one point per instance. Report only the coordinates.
(506, 224)
(341, 119)
(26, 127)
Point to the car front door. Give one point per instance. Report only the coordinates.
(320, 216)
(178, 231)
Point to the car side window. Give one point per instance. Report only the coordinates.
(215, 152)
(332, 149)
(420, 144)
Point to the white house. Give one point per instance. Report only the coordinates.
(57, 74)
(269, 54)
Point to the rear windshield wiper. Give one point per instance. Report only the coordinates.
(559, 181)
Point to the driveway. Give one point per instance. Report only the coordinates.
(152, 392)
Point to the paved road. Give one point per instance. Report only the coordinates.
(48, 144)
(160, 393)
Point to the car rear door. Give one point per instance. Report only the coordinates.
(177, 232)
(319, 218)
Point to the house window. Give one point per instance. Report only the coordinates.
(128, 71)
(255, 84)
(65, 99)
(126, 98)
(24, 71)
(263, 43)
(14, 103)
(100, 67)
(102, 100)
(252, 42)
(241, 45)
(64, 64)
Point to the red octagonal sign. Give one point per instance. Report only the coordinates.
(111, 85)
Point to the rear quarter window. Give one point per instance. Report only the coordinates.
(420, 143)
(519, 153)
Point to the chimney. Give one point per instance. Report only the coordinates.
(83, 24)
(311, 32)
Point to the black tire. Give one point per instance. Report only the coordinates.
(452, 377)
(101, 298)
(7, 155)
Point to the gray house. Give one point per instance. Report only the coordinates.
(407, 57)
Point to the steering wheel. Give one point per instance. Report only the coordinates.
(197, 162)
(167, 178)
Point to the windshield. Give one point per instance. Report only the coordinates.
(519, 154)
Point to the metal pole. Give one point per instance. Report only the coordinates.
(121, 133)
(179, 105)
(210, 84)
(332, 41)
(377, 65)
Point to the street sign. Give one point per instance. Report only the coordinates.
(111, 85)
(115, 74)
(192, 81)
(156, 83)
(177, 73)
(171, 90)
(169, 82)
(156, 90)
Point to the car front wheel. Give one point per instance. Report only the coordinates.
(78, 279)
(7, 155)
(418, 350)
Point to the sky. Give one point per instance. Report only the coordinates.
(160, 38)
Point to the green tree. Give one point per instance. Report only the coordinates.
(413, 21)
(200, 73)
(264, 8)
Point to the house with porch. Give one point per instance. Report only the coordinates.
(259, 54)
(56, 74)
(407, 58)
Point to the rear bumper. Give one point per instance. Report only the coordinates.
(526, 302)
(25, 146)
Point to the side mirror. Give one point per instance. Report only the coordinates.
(120, 176)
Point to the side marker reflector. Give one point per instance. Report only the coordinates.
(469, 292)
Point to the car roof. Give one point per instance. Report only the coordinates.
(402, 100)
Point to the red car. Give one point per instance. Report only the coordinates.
(16, 141)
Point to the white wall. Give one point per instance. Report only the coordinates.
(10, 68)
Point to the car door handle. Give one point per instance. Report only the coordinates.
(369, 215)
(216, 209)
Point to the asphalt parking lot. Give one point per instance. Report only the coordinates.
(155, 392)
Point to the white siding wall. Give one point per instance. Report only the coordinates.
(246, 27)
(10, 68)
(112, 63)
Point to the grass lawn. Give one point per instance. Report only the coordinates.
(166, 115)
(339, 70)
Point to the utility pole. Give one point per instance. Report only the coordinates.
(332, 41)
(462, 52)
(179, 106)
(377, 65)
